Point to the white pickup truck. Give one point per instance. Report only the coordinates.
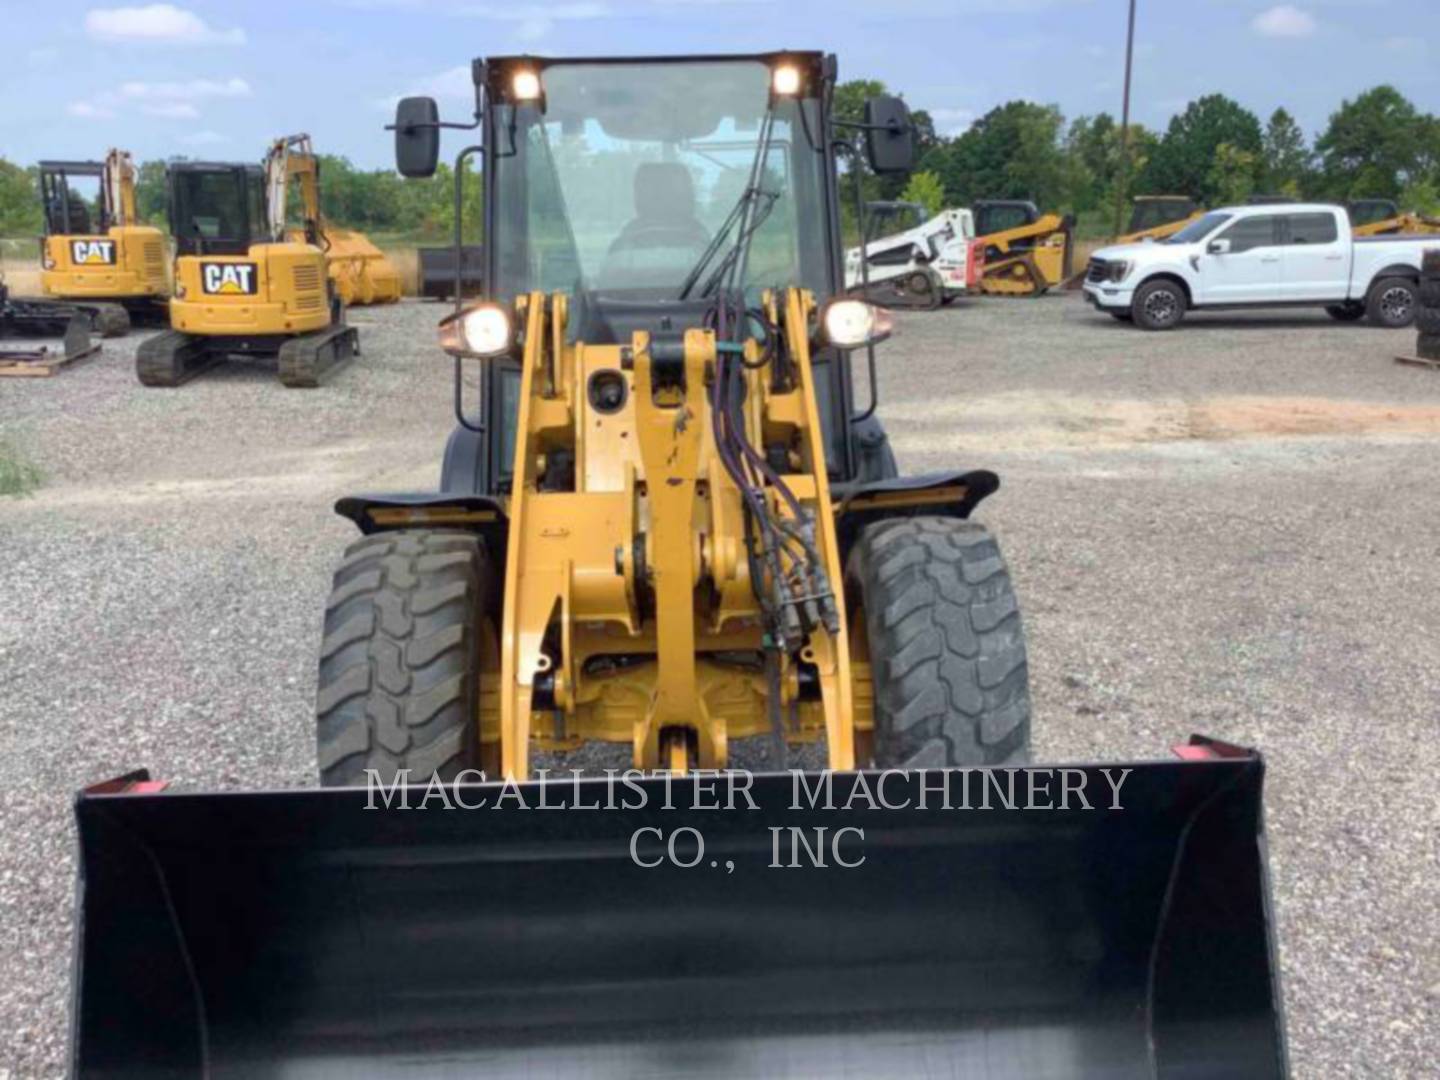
(1286, 254)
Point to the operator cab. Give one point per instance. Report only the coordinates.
(1001, 215)
(74, 198)
(216, 208)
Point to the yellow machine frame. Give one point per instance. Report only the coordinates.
(652, 501)
(289, 295)
(125, 262)
(1409, 224)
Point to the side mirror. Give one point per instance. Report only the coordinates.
(417, 136)
(1218, 247)
(889, 136)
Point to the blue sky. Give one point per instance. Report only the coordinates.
(219, 79)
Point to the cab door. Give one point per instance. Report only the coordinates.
(1242, 263)
(1315, 261)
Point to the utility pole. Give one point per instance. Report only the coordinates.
(1125, 126)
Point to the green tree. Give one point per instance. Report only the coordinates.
(19, 201)
(1288, 161)
(925, 188)
(1375, 145)
(151, 196)
(1232, 176)
(1184, 161)
(1012, 152)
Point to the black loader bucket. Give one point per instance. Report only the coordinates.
(301, 934)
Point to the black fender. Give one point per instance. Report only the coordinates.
(952, 493)
(430, 510)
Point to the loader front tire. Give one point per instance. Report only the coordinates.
(400, 659)
(942, 633)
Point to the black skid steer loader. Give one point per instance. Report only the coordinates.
(667, 528)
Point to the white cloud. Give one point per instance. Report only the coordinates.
(166, 100)
(89, 110)
(186, 91)
(1284, 21)
(204, 138)
(1412, 46)
(172, 110)
(950, 122)
(157, 23)
(534, 21)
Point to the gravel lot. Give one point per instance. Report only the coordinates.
(1230, 529)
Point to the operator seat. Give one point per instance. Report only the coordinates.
(664, 211)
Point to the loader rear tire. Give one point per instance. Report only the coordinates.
(400, 659)
(933, 598)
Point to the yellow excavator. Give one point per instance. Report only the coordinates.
(1026, 253)
(243, 287)
(671, 547)
(96, 254)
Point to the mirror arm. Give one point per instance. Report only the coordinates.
(856, 160)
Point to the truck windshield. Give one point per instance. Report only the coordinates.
(619, 185)
(1198, 229)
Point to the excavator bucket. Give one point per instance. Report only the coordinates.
(326, 933)
(361, 272)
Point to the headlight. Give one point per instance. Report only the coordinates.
(483, 330)
(525, 85)
(848, 324)
(1119, 271)
(786, 80)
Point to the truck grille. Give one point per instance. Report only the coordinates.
(1098, 270)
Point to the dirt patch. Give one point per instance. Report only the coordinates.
(1019, 421)
(1238, 418)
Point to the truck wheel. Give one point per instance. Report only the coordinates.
(1352, 312)
(1158, 305)
(1391, 303)
(400, 660)
(933, 610)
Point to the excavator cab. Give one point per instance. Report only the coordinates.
(670, 550)
(243, 286)
(95, 253)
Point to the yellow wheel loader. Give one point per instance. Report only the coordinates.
(1026, 253)
(95, 253)
(1154, 217)
(1383, 217)
(669, 541)
(242, 287)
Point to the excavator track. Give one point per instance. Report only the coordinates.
(171, 358)
(106, 319)
(306, 360)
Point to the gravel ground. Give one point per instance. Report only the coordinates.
(1229, 529)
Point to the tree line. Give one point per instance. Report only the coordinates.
(1376, 145)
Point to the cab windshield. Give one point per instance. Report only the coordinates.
(625, 181)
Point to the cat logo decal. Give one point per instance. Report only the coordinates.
(228, 279)
(92, 252)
